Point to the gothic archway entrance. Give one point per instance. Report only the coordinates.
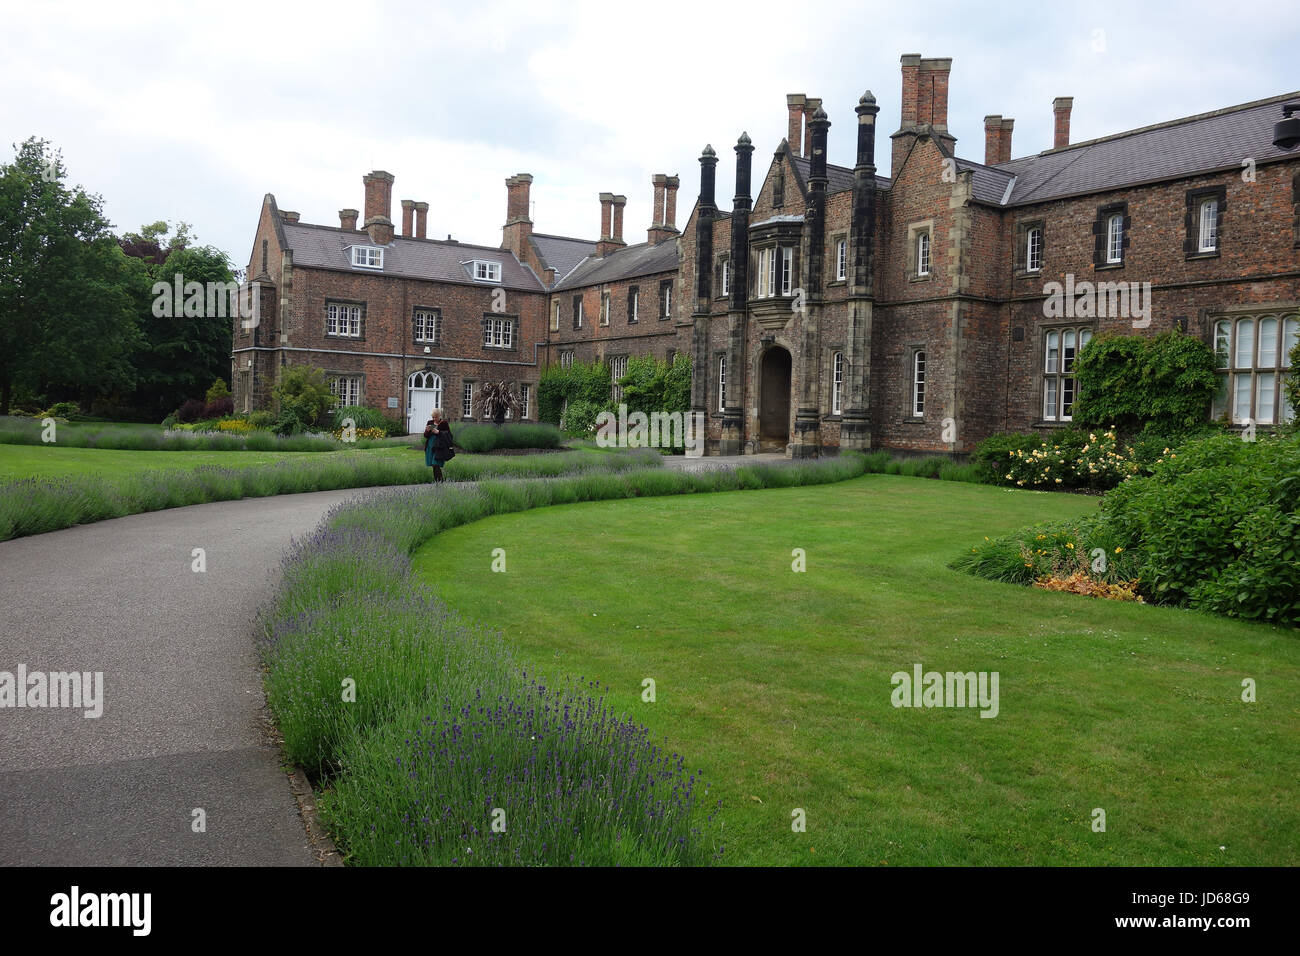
(774, 400)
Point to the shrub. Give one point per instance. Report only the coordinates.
(581, 382)
(219, 407)
(1129, 381)
(191, 411)
(218, 390)
(580, 417)
(363, 416)
(239, 426)
(261, 420)
(484, 438)
(304, 397)
(61, 410)
(993, 456)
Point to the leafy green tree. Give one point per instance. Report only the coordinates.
(304, 397)
(68, 316)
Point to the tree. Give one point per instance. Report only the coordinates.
(179, 354)
(495, 399)
(304, 397)
(68, 315)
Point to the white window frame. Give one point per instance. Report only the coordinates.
(766, 273)
(634, 312)
(485, 270)
(837, 383)
(1114, 238)
(722, 382)
(425, 377)
(525, 398)
(668, 300)
(923, 254)
(423, 319)
(346, 389)
(342, 320)
(498, 333)
(367, 257)
(726, 277)
(566, 359)
(1207, 233)
(606, 307)
(918, 383)
(467, 400)
(1061, 348)
(787, 269)
(617, 369)
(555, 317)
(1034, 249)
(841, 260)
(1250, 370)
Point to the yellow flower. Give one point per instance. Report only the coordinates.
(1058, 481)
(1118, 550)
(1069, 544)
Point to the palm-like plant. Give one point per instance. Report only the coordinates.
(495, 399)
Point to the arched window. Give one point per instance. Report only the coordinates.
(1253, 356)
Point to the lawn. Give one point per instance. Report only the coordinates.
(41, 461)
(777, 685)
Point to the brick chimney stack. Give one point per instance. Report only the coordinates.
(421, 219)
(616, 231)
(997, 140)
(519, 226)
(810, 107)
(288, 216)
(794, 136)
(348, 219)
(379, 196)
(924, 105)
(670, 203)
(611, 224)
(1061, 107)
(408, 217)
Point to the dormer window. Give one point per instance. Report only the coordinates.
(367, 257)
(484, 271)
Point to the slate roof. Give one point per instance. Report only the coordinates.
(838, 178)
(988, 183)
(638, 260)
(326, 247)
(1176, 149)
(561, 253)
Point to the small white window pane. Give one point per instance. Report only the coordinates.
(1241, 399)
(1267, 343)
(1219, 408)
(1265, 391)
(1290, 332)
(1049, 400)
(1245, 343)
(1053, 338)
(1222, 343)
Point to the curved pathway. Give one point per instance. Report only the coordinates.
(184, 726)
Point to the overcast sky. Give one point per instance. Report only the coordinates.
(194, 111)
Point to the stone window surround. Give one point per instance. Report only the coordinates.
(910, 351)
(914, 232)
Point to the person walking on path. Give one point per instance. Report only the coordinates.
(439, 446)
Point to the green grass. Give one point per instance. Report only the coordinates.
(777, 684)
(51, 461)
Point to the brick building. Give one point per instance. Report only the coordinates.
(830, 307)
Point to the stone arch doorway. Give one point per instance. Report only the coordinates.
(774, 400)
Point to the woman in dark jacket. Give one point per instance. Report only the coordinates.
(441, 446)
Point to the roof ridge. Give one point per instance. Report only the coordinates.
(549, 235)
(1169, 123)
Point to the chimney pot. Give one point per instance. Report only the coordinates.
(348, 219)
(617, 229)
(1061, 108)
